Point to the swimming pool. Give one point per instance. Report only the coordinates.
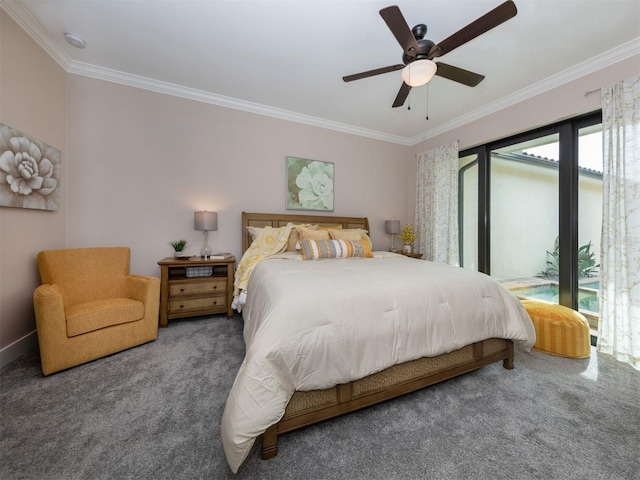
(587, 297)
(595, 285)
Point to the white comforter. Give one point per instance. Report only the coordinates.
(315, 324)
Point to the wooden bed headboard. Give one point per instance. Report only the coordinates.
(277, 220)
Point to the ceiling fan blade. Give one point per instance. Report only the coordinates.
(495, 17)
(402, 95)
(459, 75)
(371, 73)
(400, 29)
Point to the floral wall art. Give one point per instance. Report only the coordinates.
(309, 184)
(29, 171)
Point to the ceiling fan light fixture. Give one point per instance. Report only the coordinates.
(419, 72)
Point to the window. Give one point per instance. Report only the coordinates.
(530, 212)
(468, 211)
(524, 209)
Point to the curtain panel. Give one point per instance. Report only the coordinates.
(619, 325)
(436, 216)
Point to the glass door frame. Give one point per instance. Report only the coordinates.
(567, 131)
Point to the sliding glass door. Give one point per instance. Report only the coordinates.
(537, 203)
(468, 211)
(589, 220)
(524, 214)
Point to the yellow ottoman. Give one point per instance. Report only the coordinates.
(559, 329)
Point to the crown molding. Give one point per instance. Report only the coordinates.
(168, 88)
(592, 65)
(28, 23)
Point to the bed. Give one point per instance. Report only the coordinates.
(374, 335)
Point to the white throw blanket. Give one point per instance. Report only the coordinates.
(315, 324)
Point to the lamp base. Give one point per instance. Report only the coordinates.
(393, 249)
(205, 250)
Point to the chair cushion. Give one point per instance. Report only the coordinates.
(89, 316)
(559, 329)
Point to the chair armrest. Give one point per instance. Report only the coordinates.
(144, 288)
(49, 308)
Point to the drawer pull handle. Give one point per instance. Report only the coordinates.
(181, 306)
(182, 290)
(215, 286)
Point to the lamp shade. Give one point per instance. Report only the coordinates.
(392, 226)
(419, 72)
(207, 221)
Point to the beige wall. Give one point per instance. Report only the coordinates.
(140, 164)
(137, 164)
(32, 100)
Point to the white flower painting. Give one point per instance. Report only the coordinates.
(29, 171)
(309, 184)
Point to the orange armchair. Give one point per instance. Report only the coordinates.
(89, 306)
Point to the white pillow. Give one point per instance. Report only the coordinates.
(254, 231)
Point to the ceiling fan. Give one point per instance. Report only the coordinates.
(418, 52)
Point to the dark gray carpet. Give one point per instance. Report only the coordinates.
(153, 412)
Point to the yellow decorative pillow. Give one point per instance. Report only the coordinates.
(316, 249)
(559, 329)
(312, 233)
(351, 234)
(294, 237)
(328, 227)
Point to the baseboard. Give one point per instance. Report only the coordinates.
(18, 348)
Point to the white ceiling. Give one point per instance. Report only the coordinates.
(286, 58)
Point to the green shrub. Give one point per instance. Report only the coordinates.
(587, 266)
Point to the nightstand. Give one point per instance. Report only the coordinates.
(193, 286)
(413, 255)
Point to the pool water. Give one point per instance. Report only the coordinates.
(593, 285)
(587, 298)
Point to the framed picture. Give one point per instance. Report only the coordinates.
(309, 184)
(29, 171)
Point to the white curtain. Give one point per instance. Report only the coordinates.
(437, 204)
(619, 325)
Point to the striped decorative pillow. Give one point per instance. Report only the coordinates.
(316, 249)
(351, 234)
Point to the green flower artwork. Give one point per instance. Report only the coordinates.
(309, 184)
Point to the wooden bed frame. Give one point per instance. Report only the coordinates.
(307, 408)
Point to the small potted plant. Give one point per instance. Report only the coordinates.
(408, 235)
(179, 246)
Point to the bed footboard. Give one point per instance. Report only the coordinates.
(307, 408)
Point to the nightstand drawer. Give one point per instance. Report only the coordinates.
(205, 303)
(198, 288)
(184, 295)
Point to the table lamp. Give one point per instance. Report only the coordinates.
(206, 222)
(392, 227)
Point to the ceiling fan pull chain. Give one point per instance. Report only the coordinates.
(409, 96)
(427, 102)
